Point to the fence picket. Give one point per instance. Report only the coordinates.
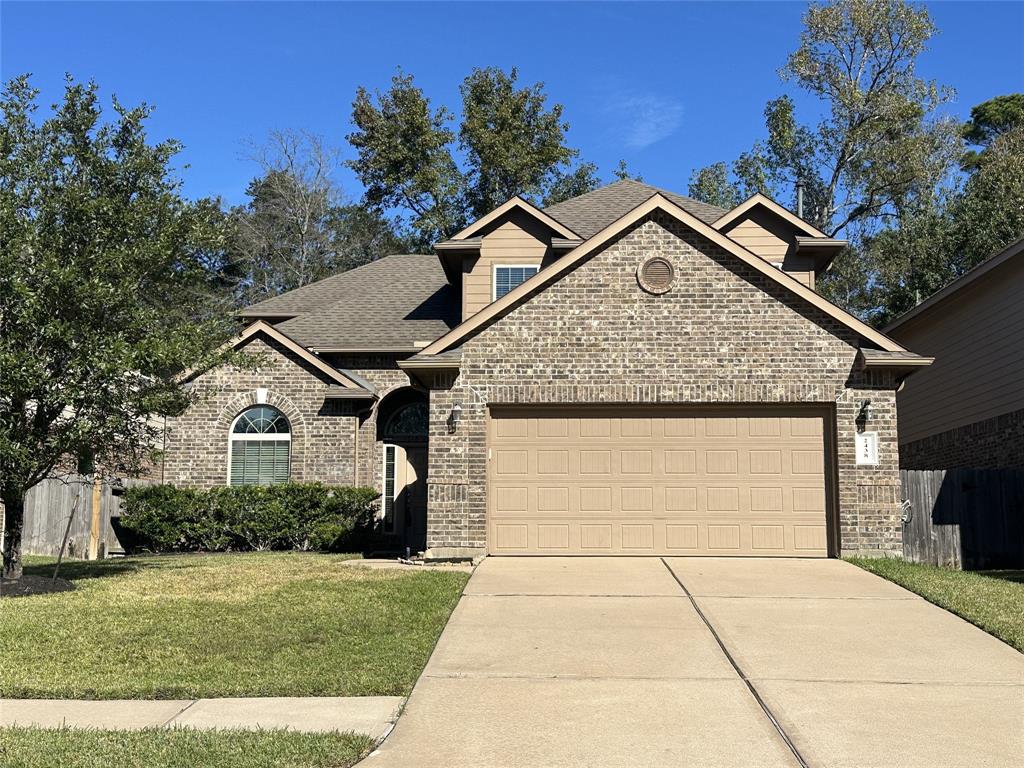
(965, 518)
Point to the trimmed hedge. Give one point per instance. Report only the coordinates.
(297, 516)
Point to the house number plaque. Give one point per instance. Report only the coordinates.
(867, 447)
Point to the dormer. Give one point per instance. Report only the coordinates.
(781, 238)
(496, 253)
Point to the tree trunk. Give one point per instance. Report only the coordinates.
(14, 518)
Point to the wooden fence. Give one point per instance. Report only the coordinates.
(964, 518)
(49, 504)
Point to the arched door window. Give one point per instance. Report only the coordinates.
(259, 447)
(410, 422)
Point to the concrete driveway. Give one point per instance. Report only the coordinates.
(706, 662)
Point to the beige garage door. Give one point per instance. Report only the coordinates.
(647, 482)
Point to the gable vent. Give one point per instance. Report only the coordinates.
(656, 275)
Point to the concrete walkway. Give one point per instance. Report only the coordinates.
(706, 662)
(372, 715)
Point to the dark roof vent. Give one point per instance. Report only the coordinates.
(656, 275)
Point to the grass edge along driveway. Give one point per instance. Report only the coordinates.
(192, 626)
(991, 600)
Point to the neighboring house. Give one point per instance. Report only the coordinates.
(627, 372)
(967, 410)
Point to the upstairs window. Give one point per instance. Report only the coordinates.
(507, 278)
(259, 447)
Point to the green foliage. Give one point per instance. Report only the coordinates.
(990, 600)
(622, 172)
(513, 142)
(711, 185)
(24, 747)
(937, 243)
(880, 149)
(404, 158)
(106, 275)
(510, 141)
(297, 228)
(215, 625)
(989, 120)
(291, 516)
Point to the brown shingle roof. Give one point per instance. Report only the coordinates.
(391, 303)
(590, 213)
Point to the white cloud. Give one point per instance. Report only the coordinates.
(644, 118)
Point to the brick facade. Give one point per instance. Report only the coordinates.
(324, 431)
(996, 443)
(724, 334)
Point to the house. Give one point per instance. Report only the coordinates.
(967, 410)
(627, 372)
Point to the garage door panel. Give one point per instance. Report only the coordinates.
(643, 483)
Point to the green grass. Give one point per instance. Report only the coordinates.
(992, 600)
(262, 624)
(179, 748)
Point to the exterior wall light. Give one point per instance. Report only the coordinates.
(453, 418)
(863, 415)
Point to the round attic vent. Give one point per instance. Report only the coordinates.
(656, 274)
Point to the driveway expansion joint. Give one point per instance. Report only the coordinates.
(740, 673)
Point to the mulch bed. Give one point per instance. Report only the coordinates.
(33, 585)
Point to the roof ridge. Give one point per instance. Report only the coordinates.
(329, 279)
(632, 182)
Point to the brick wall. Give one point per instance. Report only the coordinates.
(996, 443)
(723, 334)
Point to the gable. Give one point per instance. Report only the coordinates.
(338, 382)
(657, 203)
(719, 313)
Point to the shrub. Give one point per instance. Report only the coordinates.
(302, 516)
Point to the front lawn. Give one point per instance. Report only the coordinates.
(178, 748)
(260, 624)
(992, 600)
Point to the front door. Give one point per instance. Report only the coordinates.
(405, 492)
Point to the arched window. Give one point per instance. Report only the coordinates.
(259, 447)
(408, 422)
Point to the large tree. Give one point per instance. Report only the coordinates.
(104, 291)
(879, 148)
(964, 226)
(990, 120)
(297, 227)
(410, 156)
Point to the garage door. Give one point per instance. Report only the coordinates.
(648, 482)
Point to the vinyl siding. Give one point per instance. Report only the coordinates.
(516, 240)
(977, 338)
(763, 233)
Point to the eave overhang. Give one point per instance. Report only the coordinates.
(346, 383)
(903, 363)
(451, 254)
(822, 250)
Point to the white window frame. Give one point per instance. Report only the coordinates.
(384, 488)
(258, 436)
(494, 276)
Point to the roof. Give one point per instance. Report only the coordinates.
(342, 383)
(758, 199)
(396, 303)
(521, 204)
(589, 213)
(1010, 252)
(656, 202)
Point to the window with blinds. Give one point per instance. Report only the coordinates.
(260, 447)
(388, 497)
(507, 278)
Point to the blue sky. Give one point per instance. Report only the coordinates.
(666, 86)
